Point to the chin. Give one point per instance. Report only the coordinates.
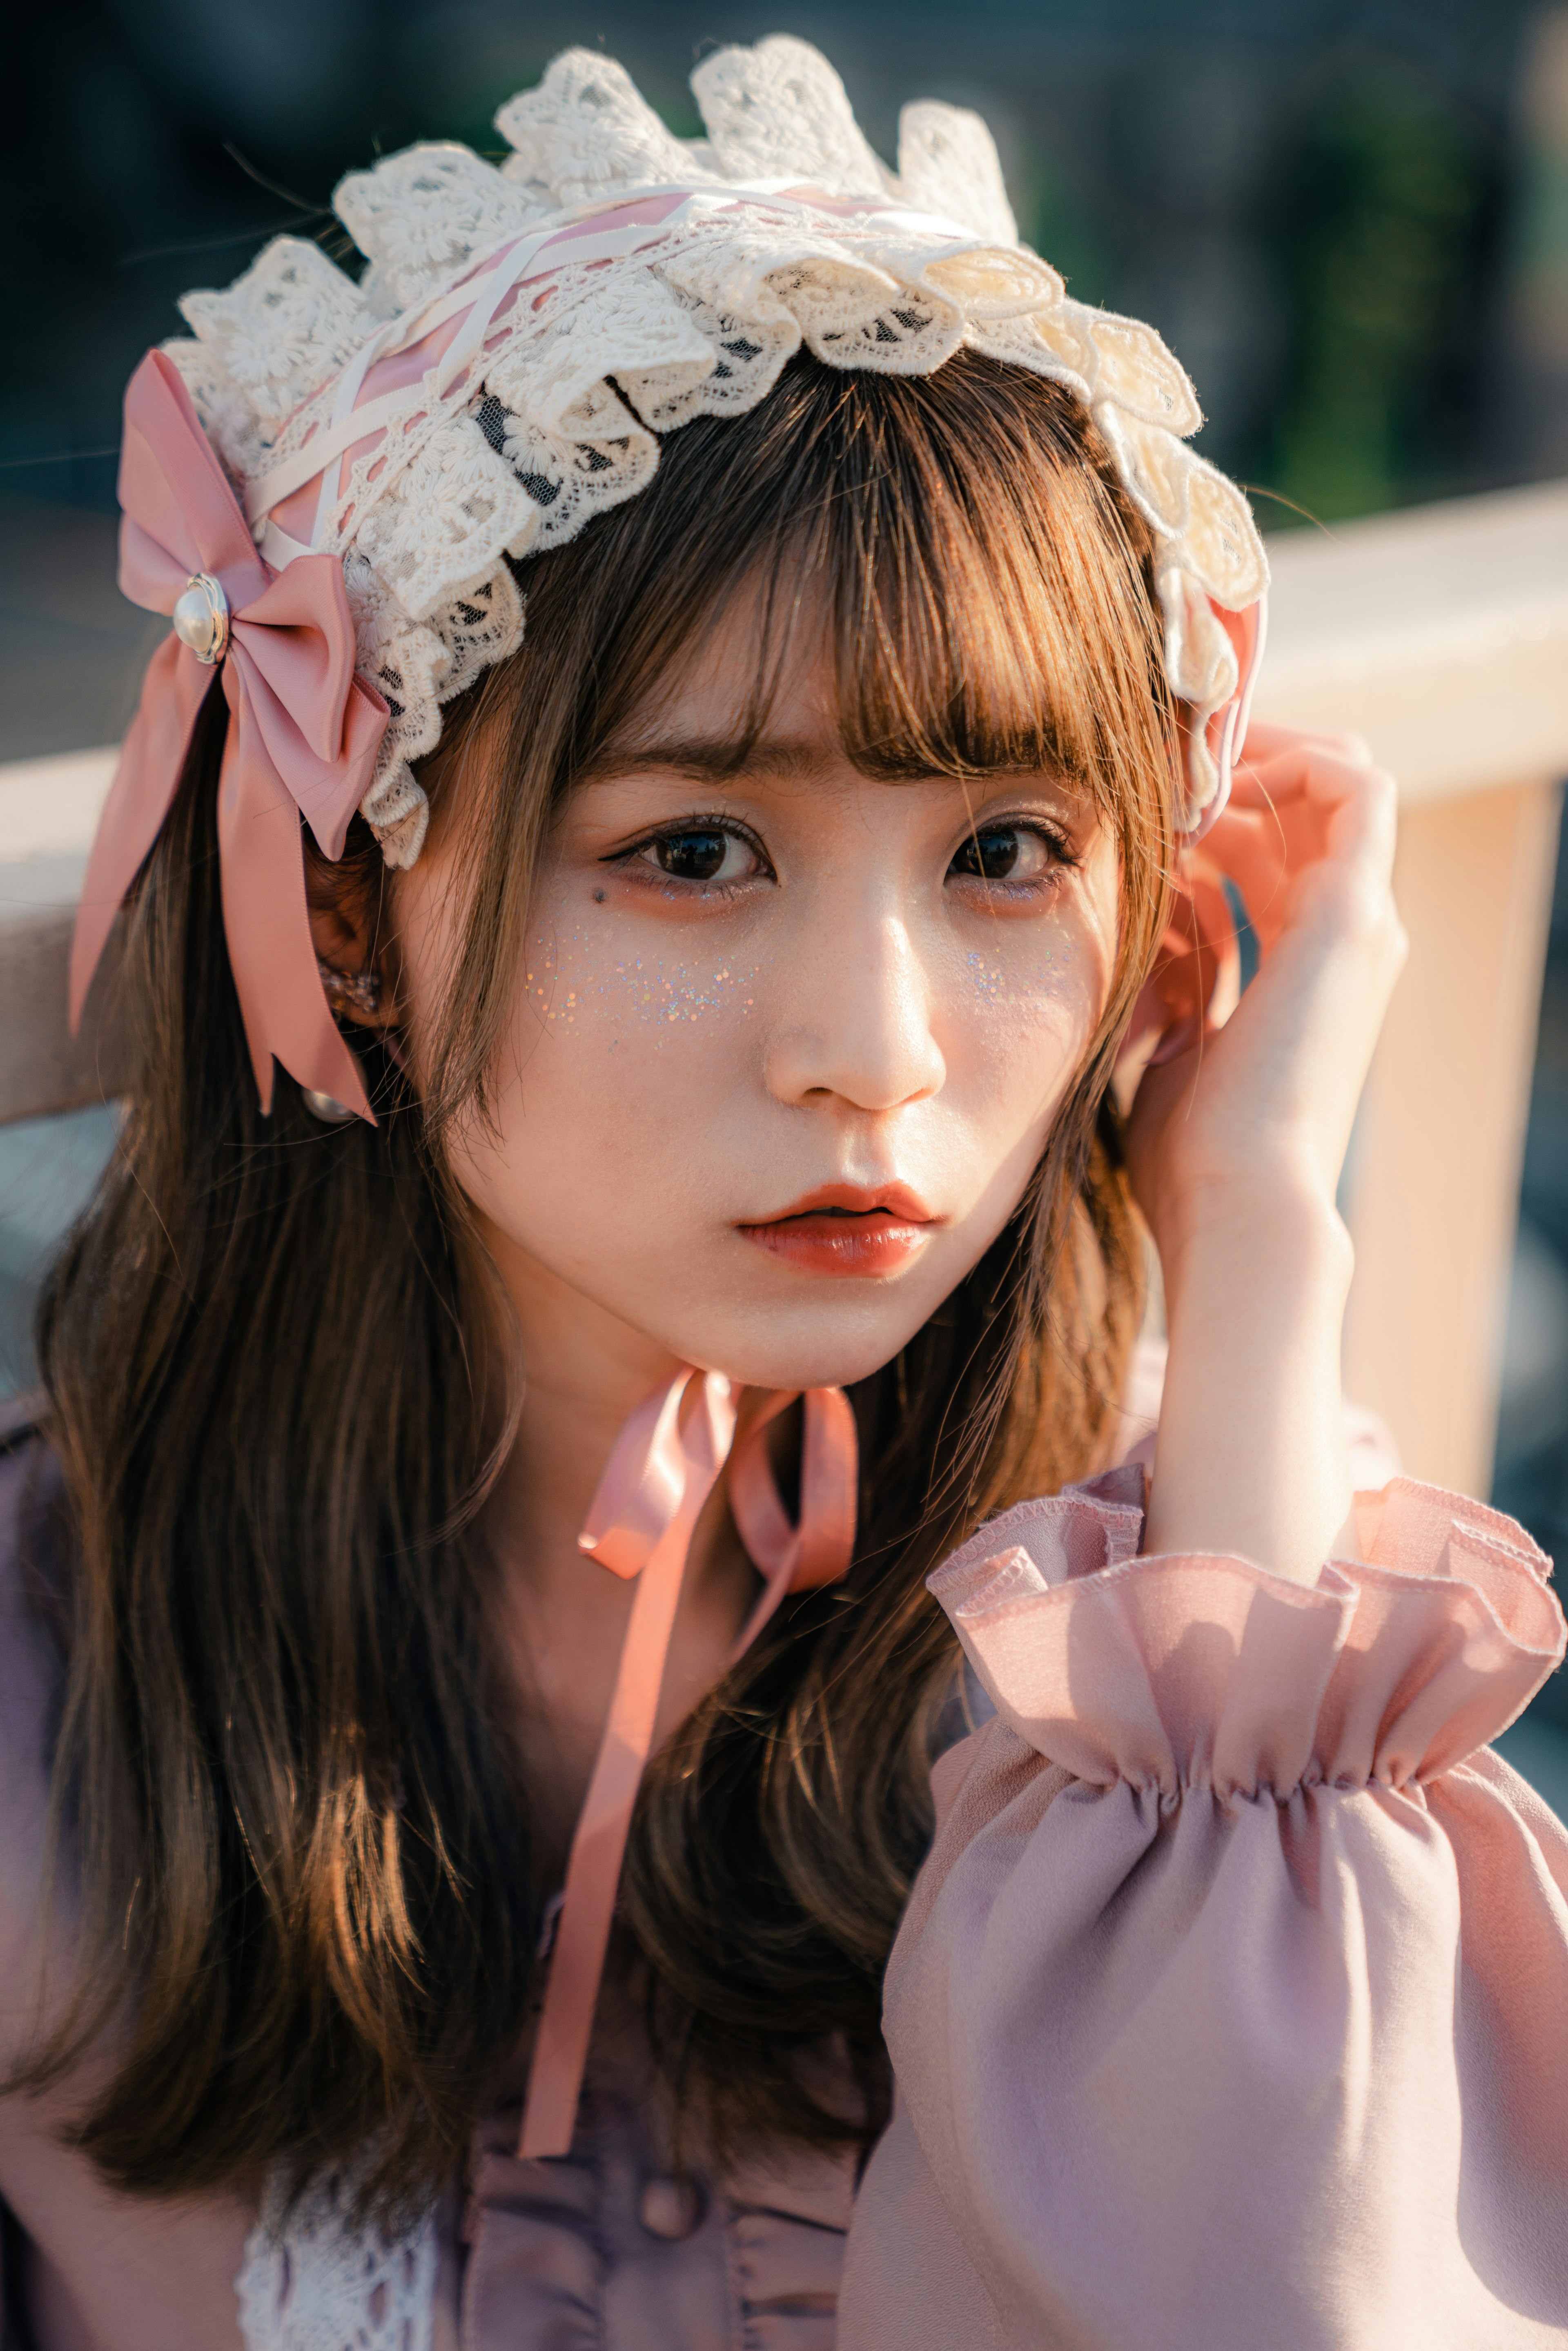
(835, 1353)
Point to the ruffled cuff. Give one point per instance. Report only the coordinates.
(1209, 1670)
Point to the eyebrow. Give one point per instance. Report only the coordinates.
(715, 759)
(720, 760)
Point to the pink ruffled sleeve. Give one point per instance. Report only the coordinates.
(1230, 2010)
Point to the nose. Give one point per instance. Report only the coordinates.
(855, 1026)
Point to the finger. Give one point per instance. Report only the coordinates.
(1254, 851)
(1323, 806)
(1308, 809)
(1363, 827)
(1264, 739)
(1195, 979)
(1262, 846)
(1296, 767)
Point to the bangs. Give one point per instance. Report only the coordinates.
(985, 584)
(989, 609)
(960, 548)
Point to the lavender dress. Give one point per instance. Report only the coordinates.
(1229, 2010)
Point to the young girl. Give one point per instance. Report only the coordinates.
(544, 1805)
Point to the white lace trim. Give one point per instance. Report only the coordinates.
(424, 217)
(228, 419)
(947, 163)
(311, 2281)
(416, 669)
(282, 327)
(779, 112)
(558, 415)
(588, 133)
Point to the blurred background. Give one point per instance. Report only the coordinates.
(1348, 217)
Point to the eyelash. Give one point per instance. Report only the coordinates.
(697, 822)
(1064, 857)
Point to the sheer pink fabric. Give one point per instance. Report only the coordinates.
(1231, 2006)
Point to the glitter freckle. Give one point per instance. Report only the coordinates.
(662, 996)
(1020, 993)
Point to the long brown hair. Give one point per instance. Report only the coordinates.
(278, 1374)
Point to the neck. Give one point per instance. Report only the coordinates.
(585, 1371)
(563, 1617)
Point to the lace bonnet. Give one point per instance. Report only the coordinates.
(524, 335)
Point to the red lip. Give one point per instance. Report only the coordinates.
(842, 1229)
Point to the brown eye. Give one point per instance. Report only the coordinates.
(702, 853)
(1001, 853)
(697, 855)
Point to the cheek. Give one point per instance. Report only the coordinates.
(1019, 1012)
(620, 1059)
(586, 977)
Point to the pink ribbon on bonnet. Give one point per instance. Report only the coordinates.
(1243, 837)
(302, 737)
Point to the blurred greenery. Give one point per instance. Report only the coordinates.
(1311, 199)
(1380, 219)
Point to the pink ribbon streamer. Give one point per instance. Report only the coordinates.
(1256, 833)
(1226, 730)
(302, 736)
(819, 1548)
(661, 1473)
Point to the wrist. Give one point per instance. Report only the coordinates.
(1252, 1456)
(1282, 1227)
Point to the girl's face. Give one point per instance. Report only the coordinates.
(786, 1044)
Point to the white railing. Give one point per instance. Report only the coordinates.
(1442, 637)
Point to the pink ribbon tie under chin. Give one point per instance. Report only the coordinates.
(303, 733)
(665, 1463)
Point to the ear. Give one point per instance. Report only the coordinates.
(352, 930)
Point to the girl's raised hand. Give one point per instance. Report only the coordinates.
(1267, 1099)
(1235, 1143)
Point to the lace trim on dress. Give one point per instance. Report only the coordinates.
(312, 2281)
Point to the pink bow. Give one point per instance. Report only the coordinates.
(302, 738)
(819, 1548)
(641, 1524)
